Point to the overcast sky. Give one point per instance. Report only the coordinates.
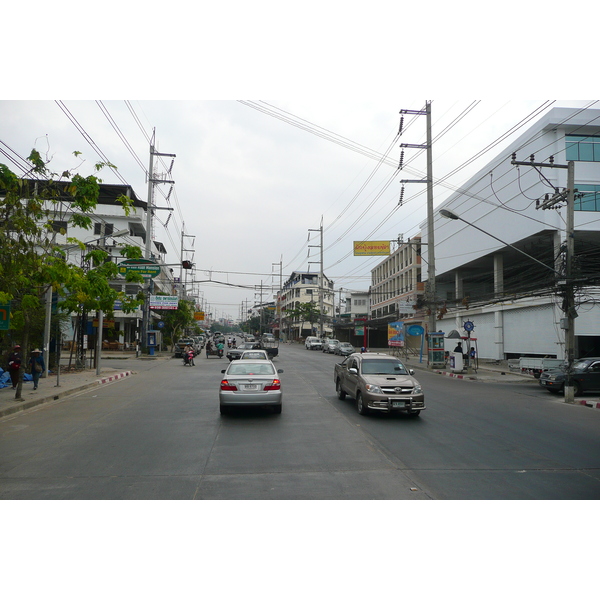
(249, 186)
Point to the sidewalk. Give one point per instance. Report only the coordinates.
(486, 370)
(70, 383)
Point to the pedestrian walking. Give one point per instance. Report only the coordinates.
(14, 364)
(37, 366)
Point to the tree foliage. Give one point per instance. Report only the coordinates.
(304, 312)
(31, 262)
(177, 321)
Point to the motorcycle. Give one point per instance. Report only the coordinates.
(188, 358)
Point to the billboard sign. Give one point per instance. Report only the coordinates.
(141, 266)
(164, 302)
(372, 248)
(396, 334)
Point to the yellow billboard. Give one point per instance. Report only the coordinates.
(371, 248)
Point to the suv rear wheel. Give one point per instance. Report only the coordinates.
(341, 394)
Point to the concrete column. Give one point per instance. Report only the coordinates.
(458, 286)
(498, 274)
(499, 337)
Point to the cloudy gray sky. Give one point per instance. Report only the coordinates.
(253, 177)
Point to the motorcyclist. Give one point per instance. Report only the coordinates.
(188, 356)
(220, 347)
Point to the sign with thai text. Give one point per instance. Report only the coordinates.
(371, 248)
(164, 302)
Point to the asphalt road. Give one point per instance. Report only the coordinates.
(159, 435)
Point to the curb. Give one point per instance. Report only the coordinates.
(447, 374)
(22, 406)
(588, 403)
(114, 377)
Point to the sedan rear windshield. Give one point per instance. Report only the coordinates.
(237, 368)
(383, 367)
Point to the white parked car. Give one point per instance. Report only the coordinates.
(313, 343)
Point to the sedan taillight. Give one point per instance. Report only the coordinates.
(274, 385)
(228, 387)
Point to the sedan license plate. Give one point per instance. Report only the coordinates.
(253, 386)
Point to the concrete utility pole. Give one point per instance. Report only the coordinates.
(278, 302)
(568, 196)
(150, 208)
(321, 278)
(431, 290)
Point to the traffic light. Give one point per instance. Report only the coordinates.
(186, 264)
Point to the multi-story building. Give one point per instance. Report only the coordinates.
(112, 229)
(349, 326)
(494, 265)
(396, 282)
(300, 288)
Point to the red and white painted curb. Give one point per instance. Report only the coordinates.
(590, 403)
(449, 374)
(115, 377)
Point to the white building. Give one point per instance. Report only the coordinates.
(302, 287)
(514, 302)
(112, 229)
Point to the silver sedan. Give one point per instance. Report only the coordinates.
(250, 383)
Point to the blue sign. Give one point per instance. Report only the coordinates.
(160, 324)
(415, 330)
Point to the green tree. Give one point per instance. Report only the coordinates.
(30, 260)
(177, 321)
(304, 312)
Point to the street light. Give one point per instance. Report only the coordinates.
(451, 215)
(569, 307)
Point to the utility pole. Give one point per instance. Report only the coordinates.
(278, 304)
(181, 283)
(150, 208)
(431, 289)
(321, 278)
(568, 196)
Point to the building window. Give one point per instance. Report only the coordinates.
(588, 198)
(583, 147)
(59, 225)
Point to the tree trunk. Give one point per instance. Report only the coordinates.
(24, 354)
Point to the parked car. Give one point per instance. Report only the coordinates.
(313, 343)
(182, 343)
(585, 376)
(329, 346)
(344, 349)
(250, 383)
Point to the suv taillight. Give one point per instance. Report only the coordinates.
(228, 387)
(274, 385)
